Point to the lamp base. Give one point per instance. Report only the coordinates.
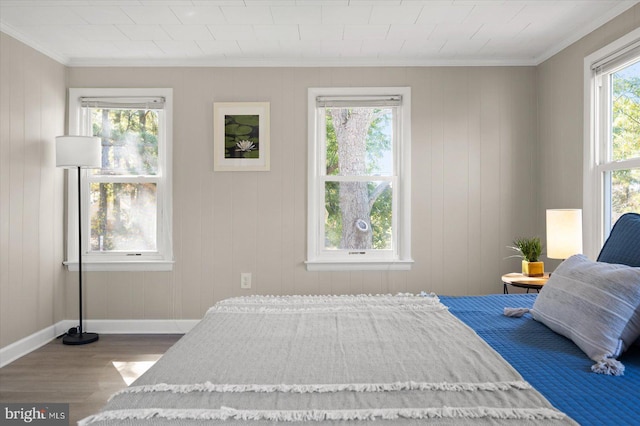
(80, 339)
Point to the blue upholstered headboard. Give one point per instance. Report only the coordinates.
(623, 244)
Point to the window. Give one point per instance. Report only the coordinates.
(612, 169)
(359, 179)
(127, 202)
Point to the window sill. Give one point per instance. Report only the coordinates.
(122, 266)
(334, 265)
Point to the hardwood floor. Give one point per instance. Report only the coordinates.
(83, 376)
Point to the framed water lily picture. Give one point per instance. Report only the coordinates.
(240, 136)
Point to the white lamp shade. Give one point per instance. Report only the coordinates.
(564, 233)
(78, 151)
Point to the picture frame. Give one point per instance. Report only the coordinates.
(241, 139)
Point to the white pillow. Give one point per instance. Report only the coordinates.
(595, 304)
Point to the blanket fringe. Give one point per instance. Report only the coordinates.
(326, 388)
(320, 302)
(515, 312)
(315, 309)
(227, 413)
(608, 366)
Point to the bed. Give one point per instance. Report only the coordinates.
(382, 359)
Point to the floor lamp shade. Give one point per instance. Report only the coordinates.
(564, 233)
(79, 152)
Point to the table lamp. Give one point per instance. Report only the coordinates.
(564, 233)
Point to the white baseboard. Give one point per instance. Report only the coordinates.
(15, 350)
(18, 349)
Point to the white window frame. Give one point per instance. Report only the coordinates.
(597, 155)
(160, 260)
(399, 258)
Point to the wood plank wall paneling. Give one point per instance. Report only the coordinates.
(473, 132)
(32, 113)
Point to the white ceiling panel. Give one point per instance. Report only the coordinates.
(493, 12)
(99, 32)
(276, 32)
(352, 15)
(346, 49)
(304, 32)
(454, 31)
(297, 15)
(302, 48)
(462, 47)
(232, 32)
(269, 2)
(47, 35)
(218, 3)
(144, 32)
(508, 30)
(165, 3)
(378, 2)
(188, 32)
(410, 32)
(179, 48)
(40, 16)
(258, 15)
(370, 33)
(260, 48)
(403, 14)
(206, 15)
(102, 15)
(146, 15)
(96, 49)
(215, 47)
(444, 13)
(321, 32)
(138, 49)
(383, 48)
(422, 48)
(324, 2)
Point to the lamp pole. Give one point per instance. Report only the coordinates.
(80, 338)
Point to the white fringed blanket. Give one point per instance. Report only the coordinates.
(332, 359)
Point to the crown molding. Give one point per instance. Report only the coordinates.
(11, 31)
(586, 30)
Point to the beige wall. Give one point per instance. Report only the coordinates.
(560, 111)
(473, 160)
(32, 111)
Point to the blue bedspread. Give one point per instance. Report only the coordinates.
(553, 364)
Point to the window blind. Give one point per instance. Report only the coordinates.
(107, 102)
(358, 101)
(618, 59)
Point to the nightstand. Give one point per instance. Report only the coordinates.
(516, 279)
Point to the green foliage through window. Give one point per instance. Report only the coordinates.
(359, 144)
(625, 184)
(129, 140)
(123, 214)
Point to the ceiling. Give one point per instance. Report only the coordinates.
(303, 32)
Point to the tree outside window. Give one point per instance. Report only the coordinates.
(625, 141)
(123, 213)
(358, 143)
(359, 179)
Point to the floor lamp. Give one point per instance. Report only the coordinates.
(78, 152)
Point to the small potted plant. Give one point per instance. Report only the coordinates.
(529, 250)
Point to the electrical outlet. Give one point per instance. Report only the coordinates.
(245, 280)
